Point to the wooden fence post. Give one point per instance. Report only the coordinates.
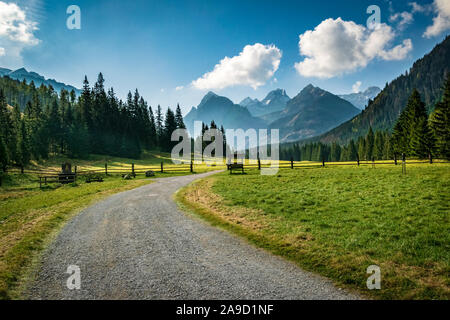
(357, 159)
(323, 162)
(395, 158)
(106, 169)
(21, 169)
(403, 163)
(292, 163)
(75, 170)
(192, 167)
(132, 170)
(162, 167)
(259, 163)
(373, 162)
(431, 158)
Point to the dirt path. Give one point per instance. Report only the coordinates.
(138, 245)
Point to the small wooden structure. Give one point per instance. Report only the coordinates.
(64, 177)
(235, 166)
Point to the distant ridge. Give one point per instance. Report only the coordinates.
(22, 74)
(361, 99)
(312, 112)
(275, 100)
(224, 112)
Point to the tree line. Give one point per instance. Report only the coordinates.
(38, 122)
(415, 134)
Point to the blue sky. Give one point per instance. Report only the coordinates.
(157, 46)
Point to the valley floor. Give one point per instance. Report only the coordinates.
(337, 221)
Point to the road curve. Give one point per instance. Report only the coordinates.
(139, 245)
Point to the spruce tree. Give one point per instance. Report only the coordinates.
(378, 145)
(352, 151)
(420, 138)
(170, 125)
(23, 145)
(179, 118)
(440, 122)
(370, 141)
(4, 159)
(159, 126)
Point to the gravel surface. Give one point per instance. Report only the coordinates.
(138, 245)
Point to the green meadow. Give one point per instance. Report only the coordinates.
(339, 220)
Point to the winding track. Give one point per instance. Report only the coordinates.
(138, 245)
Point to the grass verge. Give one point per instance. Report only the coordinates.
(30, 217)
(337, 221)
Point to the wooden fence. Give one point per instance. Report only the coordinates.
(50, 173)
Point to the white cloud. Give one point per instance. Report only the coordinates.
(441, 22)
(179, 88)
(356, 87)
(16, 32)
(252, 67)
(403, 18)
(420, 8)
(336, 47)
(2, 51)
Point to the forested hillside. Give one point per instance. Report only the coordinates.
(426, 75)
(42, 122)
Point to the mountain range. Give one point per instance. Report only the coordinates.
(22, 74)
(313, 111)
(275, 100)
(224, 112)
(361, 99)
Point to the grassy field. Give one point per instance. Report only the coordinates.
(339, 220)
(30, 217)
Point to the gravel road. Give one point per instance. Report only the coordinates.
(138, 245)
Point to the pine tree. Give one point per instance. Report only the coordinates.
(159, 126)
(4, 159)
(179, 118)
(352, 152)
(335, 152)
(152, 128)
(361, 148)
(420, 140)
(170, 125)
(387, 148)
(86, 104)
(23, 146)
(378, 145)
(369, 144)
(440, 122)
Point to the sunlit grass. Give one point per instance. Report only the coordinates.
(339, 220)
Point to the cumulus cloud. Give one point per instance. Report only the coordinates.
(252, 67)
(2, 51)
(356, 87)
(403, 18)
(336, 47)
(441, 22)
(16, 32)
(179, 88)
(419, 8)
